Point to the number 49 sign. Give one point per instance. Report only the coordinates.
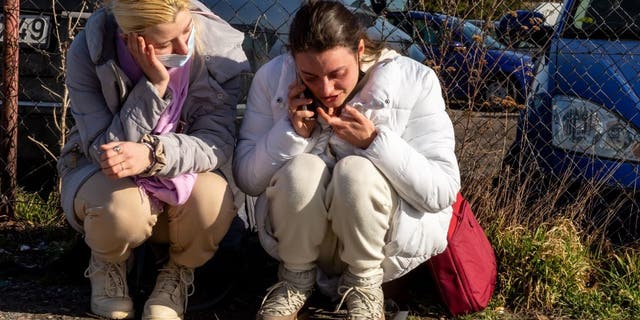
(34, 29)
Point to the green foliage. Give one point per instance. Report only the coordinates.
(540, 265)
(550, 270)
(620, 275)
(32, 208)
(551, 261)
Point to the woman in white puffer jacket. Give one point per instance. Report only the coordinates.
(363, 190)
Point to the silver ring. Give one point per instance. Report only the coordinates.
(122, 166)
(117, 149)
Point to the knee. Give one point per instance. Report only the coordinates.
(305, 169)
(125, 216)
(352, 175)
(298, 183)
(212, 199)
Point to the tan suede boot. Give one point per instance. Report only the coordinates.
(168, 301)
(109, 292)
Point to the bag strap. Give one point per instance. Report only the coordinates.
(456, 215)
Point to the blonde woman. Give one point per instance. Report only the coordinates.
(153, 87)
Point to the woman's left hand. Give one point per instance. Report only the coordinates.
(351, 126)
(121, 159)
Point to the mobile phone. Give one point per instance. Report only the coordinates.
(308, 94)
(313, 105)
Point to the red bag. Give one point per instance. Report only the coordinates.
(465, 273)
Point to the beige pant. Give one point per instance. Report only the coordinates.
(117, 217)
(333, 220)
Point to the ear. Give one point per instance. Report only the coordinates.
(360, 48)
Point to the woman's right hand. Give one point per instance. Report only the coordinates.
(300, 119)
(145, 56)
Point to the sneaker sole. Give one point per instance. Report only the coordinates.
(112, 314)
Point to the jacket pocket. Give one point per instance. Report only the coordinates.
(71, 155)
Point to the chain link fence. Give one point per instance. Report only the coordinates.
(532, 91)
(45, 29)
(581, 118)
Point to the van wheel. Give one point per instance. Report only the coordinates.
(500, 94)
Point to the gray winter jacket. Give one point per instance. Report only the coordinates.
(107, 106)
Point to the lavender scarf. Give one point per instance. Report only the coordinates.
(176, 190)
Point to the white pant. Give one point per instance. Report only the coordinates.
(329, 219)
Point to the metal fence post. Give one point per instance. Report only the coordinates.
(9, 144)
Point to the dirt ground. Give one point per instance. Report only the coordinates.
(39, 281)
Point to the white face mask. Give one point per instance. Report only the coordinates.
(178, 60)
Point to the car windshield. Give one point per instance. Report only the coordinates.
(471, 31)
(605, 19)
(265, 14)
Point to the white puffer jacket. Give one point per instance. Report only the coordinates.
(414, 149)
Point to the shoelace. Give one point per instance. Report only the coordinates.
(280, 306)
(114, 277)
(368, 297)
(172, 278)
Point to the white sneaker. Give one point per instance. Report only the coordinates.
(364, 296)
(284, 300)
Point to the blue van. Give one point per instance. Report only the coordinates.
(583, 113)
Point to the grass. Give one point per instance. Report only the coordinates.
(553, 260)
(555, 257)
(37, 235)
(34, 209)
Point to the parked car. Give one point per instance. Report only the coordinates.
(266, 25)
(522, 29)
(583, 115)
(550, 11)
(43, 26)
(527, 31)
(472, 64)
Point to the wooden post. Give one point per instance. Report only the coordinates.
(9, 125)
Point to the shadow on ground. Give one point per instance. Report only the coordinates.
(38, 284)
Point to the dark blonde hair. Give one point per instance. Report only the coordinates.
(137, 15)
(323, 25)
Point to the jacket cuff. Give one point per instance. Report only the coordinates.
(157, 152)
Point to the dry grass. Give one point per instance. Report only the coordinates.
(555, 256)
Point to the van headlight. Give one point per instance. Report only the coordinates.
(583, 126)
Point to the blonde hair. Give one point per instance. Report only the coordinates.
(137, 15)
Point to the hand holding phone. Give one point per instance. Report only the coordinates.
(298, 109)
(312, 106)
